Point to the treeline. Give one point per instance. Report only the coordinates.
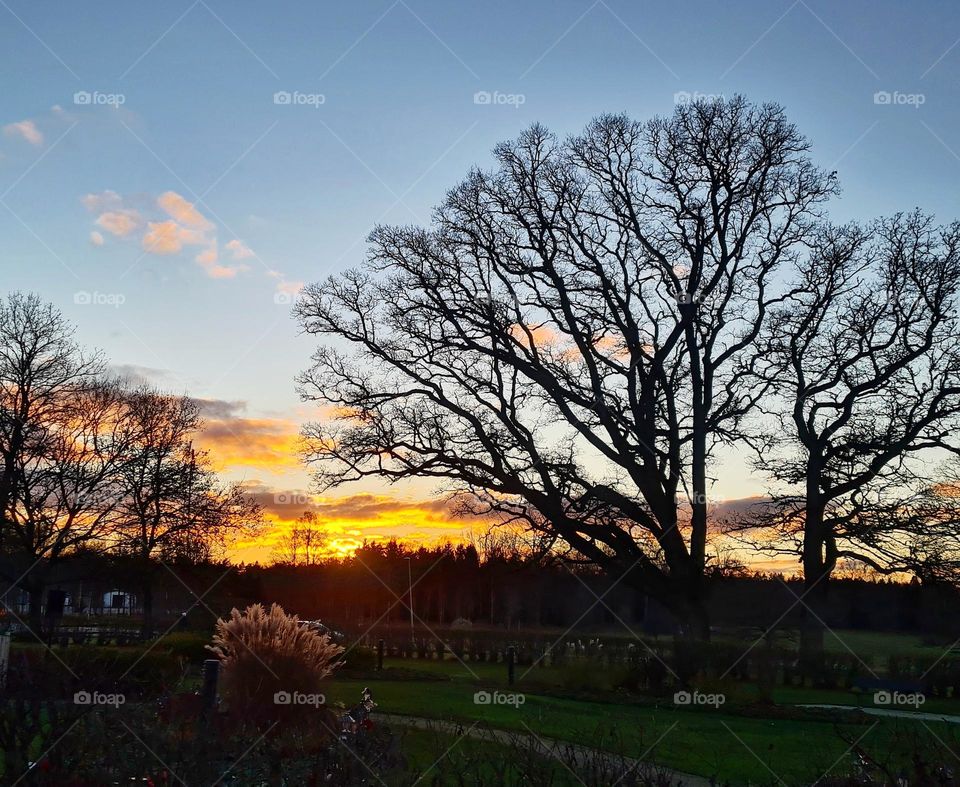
(508, 588)
(93, 464)
(459, 586)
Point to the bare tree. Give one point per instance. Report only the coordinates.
(864, 359)
(171, 504)
(62, 436)
(304, 544)
(66, 492)
(568, 341)
(40, 366)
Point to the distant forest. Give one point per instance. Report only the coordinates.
(460, 586)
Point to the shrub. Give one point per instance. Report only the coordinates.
(359, 658)
(269, 660)
(190, 645)
(137, 672)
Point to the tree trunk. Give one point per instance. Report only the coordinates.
(695, 623)
(147, 589)
(35, 612)
(812, 630)
(689, 648)
(815, 577)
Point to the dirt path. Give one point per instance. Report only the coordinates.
(563, 751)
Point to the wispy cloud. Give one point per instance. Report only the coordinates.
(168, 237)
(25, 129)
(239, 250)
(120, 223)
(166, 226)
(271, 445)
(183, 211)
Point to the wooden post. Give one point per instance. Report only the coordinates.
(380, 655)
(511, 661)
(211, 677)
(4, 659)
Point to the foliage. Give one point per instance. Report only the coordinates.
(190, 645)
(136, 672)
(266, 654)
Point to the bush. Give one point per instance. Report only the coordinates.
(190, 645)
(359, 658)
(268, 660)
(136, 672)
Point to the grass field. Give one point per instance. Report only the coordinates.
(743, 741)
(740, 742)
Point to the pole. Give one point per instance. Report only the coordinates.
(211, 678)
(4, 659)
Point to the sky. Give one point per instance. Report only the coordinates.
(171, 173)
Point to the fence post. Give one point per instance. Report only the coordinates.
(4, 659)
(511, 661)
(380, 655)
(211, 677)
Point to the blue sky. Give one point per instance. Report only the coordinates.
(208, 198)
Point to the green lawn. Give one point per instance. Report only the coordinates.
(438, 757)
(741, 742)
(732, 743)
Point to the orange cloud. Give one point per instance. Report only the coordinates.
(172, 224)
(268, 444)
(25, 129)
(119, 222)
(168, 237)
(239, 250)
(208, 259)
(183, 211)
(349, 520)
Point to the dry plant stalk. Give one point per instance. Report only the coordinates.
(269, 661)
